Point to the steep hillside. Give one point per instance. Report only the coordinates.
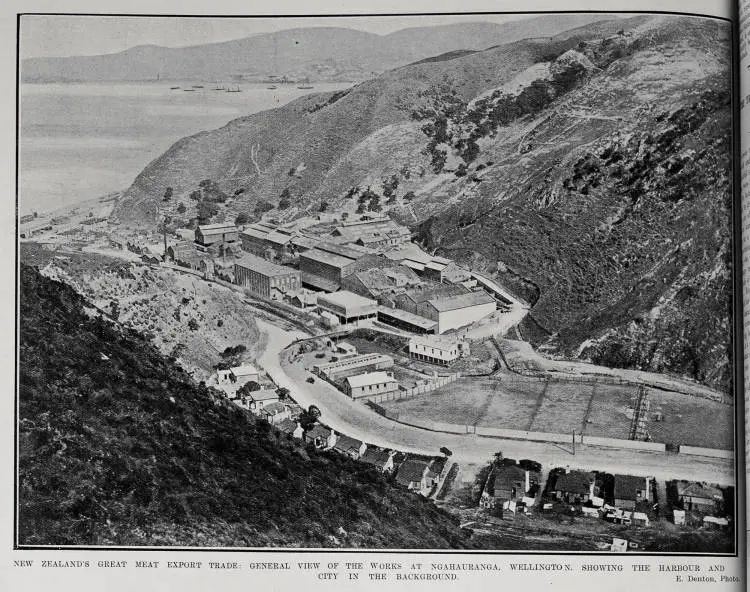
(315, 53)
(119, 446)
(576, 169)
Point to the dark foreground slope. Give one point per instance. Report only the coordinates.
(128, 450)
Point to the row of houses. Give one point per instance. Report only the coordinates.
(416, 473)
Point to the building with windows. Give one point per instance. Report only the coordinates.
(453, 312)
(353, 365)
(435, 349)
(630, 490)
(324, 266)
(348, 307)
(265, 278)
(361, 386)
(267, 240)
(378, 233)
(210, 234)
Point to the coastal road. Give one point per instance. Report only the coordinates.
(354, 419)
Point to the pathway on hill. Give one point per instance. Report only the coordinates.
(356, 420)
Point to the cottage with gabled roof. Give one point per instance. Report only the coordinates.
(274, 412)
(701, 497)
(321, 437)
(256, 401)
(382, 460)
(413, 474)
(350, 446)
(287, 426)
(575, 487)
(630, 490)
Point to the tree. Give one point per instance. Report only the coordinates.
(193, 325)
(206, 211)
(181, 208)
(167, 194)
(242, 218)
(283, 393)
(247, 388)
(323, 206)
(445, 451)
(314, 411)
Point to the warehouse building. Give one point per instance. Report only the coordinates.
(371, 384)
(265, 278)
(453, 312)
(348, 307)
(379, 233)
(402, 319)
(210, 234)
(266, 240)
(324, 266)
(353, 365)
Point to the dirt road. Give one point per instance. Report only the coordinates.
(357, 420)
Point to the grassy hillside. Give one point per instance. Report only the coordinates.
(119, 446)
(576, 169)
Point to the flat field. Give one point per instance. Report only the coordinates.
(561, 407)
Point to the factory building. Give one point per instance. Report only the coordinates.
(265, 278)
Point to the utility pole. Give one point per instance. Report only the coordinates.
(574, 441)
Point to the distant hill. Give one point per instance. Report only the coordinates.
(315, 53)
(576, 169)
(118, 446)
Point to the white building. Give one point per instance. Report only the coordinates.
(452, 312)
(238, 375)
(347, 307)
(370, 384)
(434, 349)
(258, 400)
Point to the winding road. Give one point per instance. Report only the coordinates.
(354, 419)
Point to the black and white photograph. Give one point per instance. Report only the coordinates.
(387, 282)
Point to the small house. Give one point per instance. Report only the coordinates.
(505, 483)
(274, 412)
(575, 487)
(321, 437)
(630, 490)
(243, 374)
(413, 474)
(701, 497)
(257, 400)
(382, 460)
(350, 446)
(678, 517)
(287, 426)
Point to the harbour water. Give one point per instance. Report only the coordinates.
(79, 141)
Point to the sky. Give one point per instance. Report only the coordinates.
(48, 36)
